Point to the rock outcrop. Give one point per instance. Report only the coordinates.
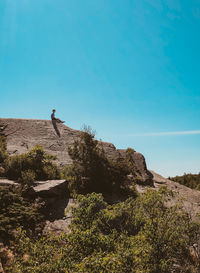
(57, 204)
(24, 134)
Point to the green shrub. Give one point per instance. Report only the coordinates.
(34, 165)
(17, 211)
(3, 155)
(39, 256)
(137, 235)
(189, 180)
(91, 171)
(164, 236)
(27, 177)
(89, 208)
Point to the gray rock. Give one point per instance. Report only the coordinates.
(24, 134)
(51, 188)
(144, 176)
(56, 226)
(7, 182)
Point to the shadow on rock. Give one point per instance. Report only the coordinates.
(56, 127)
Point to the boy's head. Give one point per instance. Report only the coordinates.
(54, 110)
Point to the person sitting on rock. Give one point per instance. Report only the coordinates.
(54, 118)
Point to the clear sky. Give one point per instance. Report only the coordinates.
(128, 68)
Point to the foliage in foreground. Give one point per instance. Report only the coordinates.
(135, 236)
(17, 211)
(189, 180)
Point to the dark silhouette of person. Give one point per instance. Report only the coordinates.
(55, 121)
(54, 118)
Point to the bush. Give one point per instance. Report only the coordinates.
(34, 165)
(189, 180)
(27, 177)
(91, 170)
(16, 211)
(3, 155)
(137, 235)
(164, 236)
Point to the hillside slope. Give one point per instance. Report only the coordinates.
(189, 198)
(24, 134)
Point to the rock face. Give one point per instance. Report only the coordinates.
(24, 134)
(140, 167)
(57, 225)
(55, 196)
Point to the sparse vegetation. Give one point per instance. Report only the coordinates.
(189, 180)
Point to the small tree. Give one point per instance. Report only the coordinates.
(90, 168)
(92, 171)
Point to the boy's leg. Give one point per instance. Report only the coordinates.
(59, 121)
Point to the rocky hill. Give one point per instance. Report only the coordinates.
(54, 196)
(24, 134)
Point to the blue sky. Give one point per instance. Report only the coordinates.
(130, 69)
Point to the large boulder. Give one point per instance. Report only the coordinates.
(24, 134)
(51, 188)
